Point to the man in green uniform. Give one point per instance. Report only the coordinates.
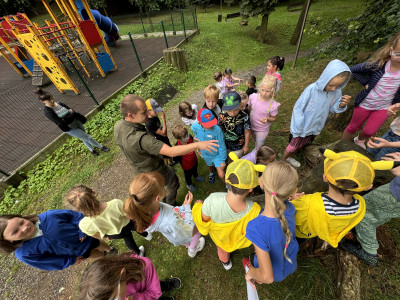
(143, 151)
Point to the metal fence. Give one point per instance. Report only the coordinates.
(25, 131)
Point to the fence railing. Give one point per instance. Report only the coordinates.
(25, 131)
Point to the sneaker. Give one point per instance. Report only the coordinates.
(171, 284)
(356, 249)
(293, 162)
(246, 262)
(227, 265)
(149, 236)
(104, 149)
(211, 178)
(199, 246)
(113, 251)
(141, 253)
(191, 187)
(359, 142)
(199, 178)
(95, 153)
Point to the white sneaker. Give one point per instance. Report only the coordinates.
(199, 246)
(359, 142)
(141, 253)
(149, 236)
(293, 162)
(227, 265)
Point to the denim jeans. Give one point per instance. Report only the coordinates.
(381, 152)
(79, 132)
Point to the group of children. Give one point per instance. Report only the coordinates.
(233, 221)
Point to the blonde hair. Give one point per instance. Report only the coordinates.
(179, 131)
(84, 200)
(101, 277)
(382, 55)
(211, 92)
(270, 82)
(279, 180)
(143, 191)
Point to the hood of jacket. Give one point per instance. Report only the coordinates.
(334, 68)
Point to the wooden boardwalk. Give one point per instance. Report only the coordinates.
(24, 130)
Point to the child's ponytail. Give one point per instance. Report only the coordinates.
(280, 181)
(84, 200)
(277, 61)
(143, 191)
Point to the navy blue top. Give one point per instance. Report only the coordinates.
(60, 244)
(367, 73)
(267, 234)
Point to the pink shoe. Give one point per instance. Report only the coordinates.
(359, 142)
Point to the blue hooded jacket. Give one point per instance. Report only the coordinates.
(314, 104)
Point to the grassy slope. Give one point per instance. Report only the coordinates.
(226, 44)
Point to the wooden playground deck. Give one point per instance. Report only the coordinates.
(24, 130)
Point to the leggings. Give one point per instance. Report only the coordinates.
(223, 255)
(259, 137)
(126, 234)
(374, 118)
(195, 239)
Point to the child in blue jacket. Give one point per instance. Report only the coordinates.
(314, 105)
(206, 128)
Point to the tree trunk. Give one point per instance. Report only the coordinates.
(296, 33)
(150, 20)
(263, 29)
(349, 277)
(175, 57)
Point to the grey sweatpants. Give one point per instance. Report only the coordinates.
(382, 206)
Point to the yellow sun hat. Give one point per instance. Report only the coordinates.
(353, 166)
(245, 171)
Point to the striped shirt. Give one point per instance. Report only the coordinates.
(337, 209)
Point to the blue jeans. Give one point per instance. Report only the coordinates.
(79, 132)
(381, 152)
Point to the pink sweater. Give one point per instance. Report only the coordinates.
(149, 288)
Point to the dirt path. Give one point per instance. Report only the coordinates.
(19, 281)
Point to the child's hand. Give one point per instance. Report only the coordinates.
(395, 157)
(382, 143)
(163, 114)
(393, 109)
(79, 259)
(345, 100)
(188, 198)
(245, 149)
(250, 280)
(210, 146)
(264, 120)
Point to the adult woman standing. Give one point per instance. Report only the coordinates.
(49, 241)
(68, 120)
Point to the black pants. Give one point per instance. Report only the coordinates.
(189, 173)
(126, 234)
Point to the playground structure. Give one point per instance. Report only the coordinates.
(74, 37)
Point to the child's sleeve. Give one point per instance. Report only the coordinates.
(181, 230)
(297, 123)
(254, 233)
(221, 144)
(361, 72)
(187, 211)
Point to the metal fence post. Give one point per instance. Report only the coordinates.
(183, 23)
(82, 81)
(141, 20)
(172, 21)
(195, 17)
(165, 35)
(134, 49)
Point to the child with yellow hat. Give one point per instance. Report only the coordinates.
(225, 215)
(333, 214)
(383, 204)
